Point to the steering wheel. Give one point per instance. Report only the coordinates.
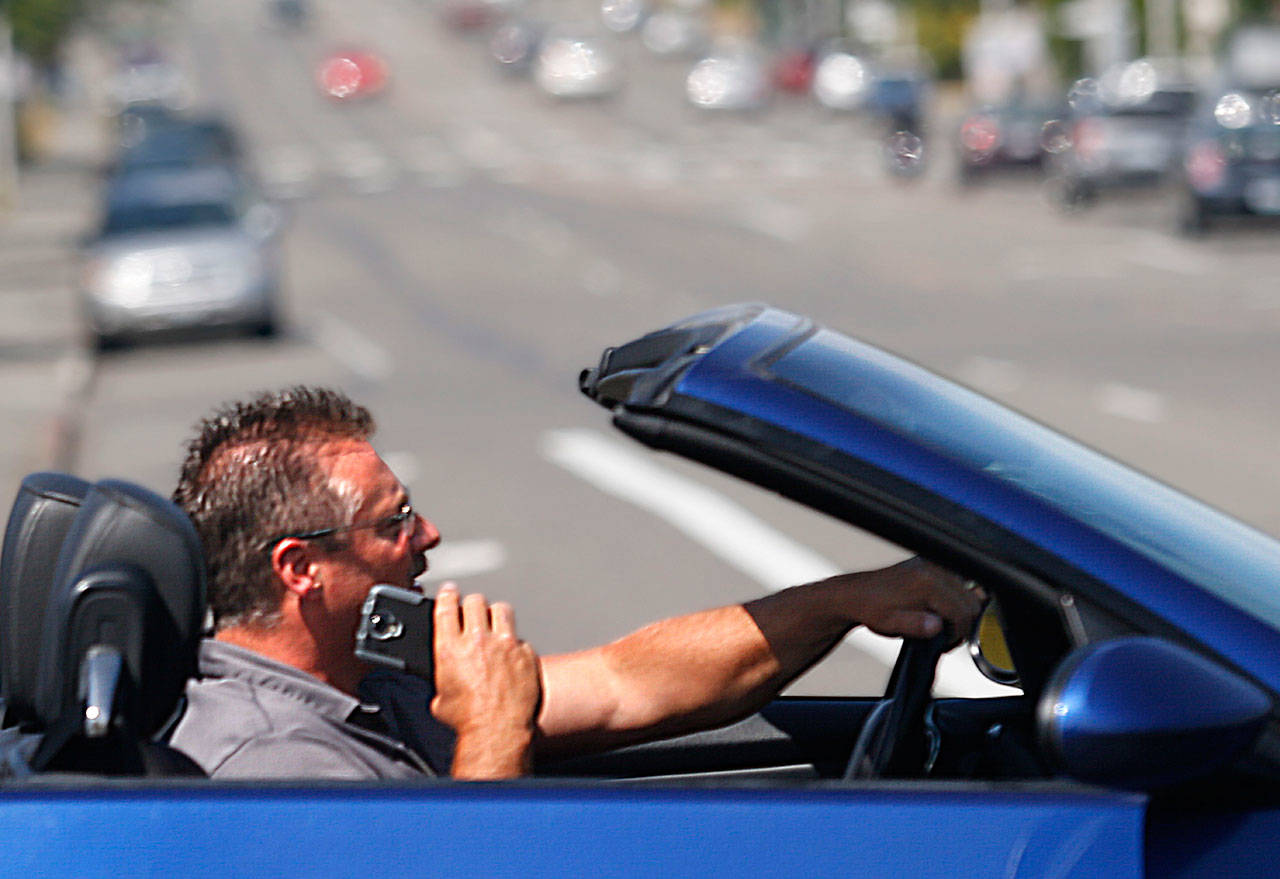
(892, 742)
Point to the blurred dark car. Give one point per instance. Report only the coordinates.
(180, 248)
(1015, 136)
(1232, 161)
(1127, 133)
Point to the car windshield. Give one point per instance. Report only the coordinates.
(160, 217)
(179, 147)
(1173, 530)
(1173, 103)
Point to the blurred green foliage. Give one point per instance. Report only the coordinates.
(941, 26)
(1257, 10)
(41, 26)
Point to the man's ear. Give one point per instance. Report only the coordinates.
(295, 564)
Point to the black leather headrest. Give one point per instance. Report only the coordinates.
(126, 533)
(41, 517)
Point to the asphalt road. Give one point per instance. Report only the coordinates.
(460, 248)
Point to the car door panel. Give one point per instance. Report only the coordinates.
(541, 828)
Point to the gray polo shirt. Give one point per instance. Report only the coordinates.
(249, 716)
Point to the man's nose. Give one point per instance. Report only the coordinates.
(425, 534)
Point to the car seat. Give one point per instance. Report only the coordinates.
(42, 514)
(116, 631)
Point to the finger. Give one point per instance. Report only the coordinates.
(475, 613)
(961, 614)
(957, 603)
(504, 619)
(912, 624)
(446, 618)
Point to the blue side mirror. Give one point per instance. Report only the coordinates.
(1143, 713)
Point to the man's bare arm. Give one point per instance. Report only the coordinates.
(713, 667)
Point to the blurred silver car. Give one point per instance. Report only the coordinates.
(577, 64)
(184, 248)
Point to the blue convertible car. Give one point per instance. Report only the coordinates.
(1140, 629)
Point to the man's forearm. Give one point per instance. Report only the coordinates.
(689, 672)
(713, 667)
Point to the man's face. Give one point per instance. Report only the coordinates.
(385, 552)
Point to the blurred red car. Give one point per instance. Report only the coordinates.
(354, 73)
(793, 71)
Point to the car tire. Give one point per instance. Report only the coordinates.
(267, 324)
(1077, 195)
(102, 343)
(1193, 221)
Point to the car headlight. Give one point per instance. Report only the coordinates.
(1233, 111)
(124, 281)
(840, 81)
(573, 61)
(709, 82)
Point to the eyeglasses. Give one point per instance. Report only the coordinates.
(403, 521)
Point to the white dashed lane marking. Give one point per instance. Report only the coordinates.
(1134, 404)
(991, 375)
(457, 559)
(354, 350)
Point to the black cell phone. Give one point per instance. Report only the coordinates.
(396, 630)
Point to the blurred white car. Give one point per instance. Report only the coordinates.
(675, 33)
(733, 77)
(182, 248)
(145, 76)
(623, 16)
(574, 64)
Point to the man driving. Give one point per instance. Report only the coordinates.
(300, 518)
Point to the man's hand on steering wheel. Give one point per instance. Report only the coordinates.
(916, 599)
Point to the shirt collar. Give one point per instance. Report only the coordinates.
(220, 659)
